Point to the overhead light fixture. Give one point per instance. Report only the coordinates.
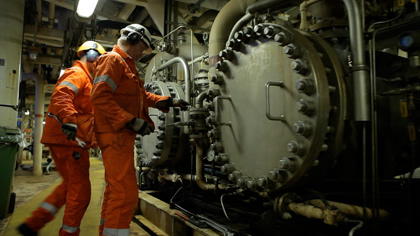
(85, 8)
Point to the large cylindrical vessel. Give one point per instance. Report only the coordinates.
(11, 26)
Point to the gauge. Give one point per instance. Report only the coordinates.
(210, 155)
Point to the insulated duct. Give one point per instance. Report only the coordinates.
(11, 27)
(39, 118)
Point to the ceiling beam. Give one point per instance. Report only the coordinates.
(111, 17)
(209, 4)
(155, 8)
(63, 3)
(48, 42)
(141, 16)
(156, 11)
(46, 33)
(141, 3)
(126, 11)
(54, 61)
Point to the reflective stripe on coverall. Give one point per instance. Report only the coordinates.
(70, 102)
(118, 96)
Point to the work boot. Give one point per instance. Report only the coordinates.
(26, 231)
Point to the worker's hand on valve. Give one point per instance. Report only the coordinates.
(173, 102)
(181, 103)
(70, 130)
(141, 126)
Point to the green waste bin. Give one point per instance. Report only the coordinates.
(10, 137)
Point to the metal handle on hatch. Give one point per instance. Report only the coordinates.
(216, 108)
(267, 100)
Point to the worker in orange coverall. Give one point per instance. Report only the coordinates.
(70, 103)
(121, 112)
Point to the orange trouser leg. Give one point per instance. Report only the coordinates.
(79, 191)
(75, 180)
(121, 193)
(45, 213)
(104, 207)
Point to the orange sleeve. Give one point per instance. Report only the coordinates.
(107, 76)
(64, 94)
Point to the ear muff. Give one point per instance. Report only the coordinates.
(146, 39)
(91, 55)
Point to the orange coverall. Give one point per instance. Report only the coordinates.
(70, 102)
(118, 96)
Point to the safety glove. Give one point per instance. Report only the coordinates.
(173, 102)
(140, 126)
(70, 130)
(181, 103)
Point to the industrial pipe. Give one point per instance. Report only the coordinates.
(200, 99)
(339, 213)
(187, 81)
(199, 168)
(198, 59)
(266, 4)
(359, 68)
(312, 212)
(39, 11)
(222, 26)
(199, 173)
(350, 210)
(39, 118)
(256, 7)
(175, 177)
(51, 15)
(304, 25)
(205, 17)
(186, 73)
(169, 177)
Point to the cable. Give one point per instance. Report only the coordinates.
(14, 107)
(223, 207)
(386, 21)
(179, 189)
(358, 226)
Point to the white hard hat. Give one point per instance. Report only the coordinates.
(137, 32)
